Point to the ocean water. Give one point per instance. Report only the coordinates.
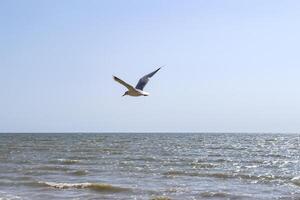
(149, 166)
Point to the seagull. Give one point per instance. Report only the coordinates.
(138, 89)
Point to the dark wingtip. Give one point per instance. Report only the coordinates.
(116, 78)
(161, 67)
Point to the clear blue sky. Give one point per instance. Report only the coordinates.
(230, 65)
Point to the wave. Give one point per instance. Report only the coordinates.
(161, 198)
(51, 168)
(221, 195)
(81, 158)
(215, 194)
(102, 187)
(79, 172)
(203, 165)
(65, 161)
(262, 178)
(296, 181)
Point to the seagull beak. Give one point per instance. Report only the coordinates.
(123, 95)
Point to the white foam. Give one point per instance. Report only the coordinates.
(296, 180)
(67, 185)
(94, 186)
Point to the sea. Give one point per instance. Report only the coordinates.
(149, 166)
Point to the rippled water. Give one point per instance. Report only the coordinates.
(149, 166)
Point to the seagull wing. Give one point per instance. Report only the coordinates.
(144, 80)
(129, 87)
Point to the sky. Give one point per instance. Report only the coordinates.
(230, 66)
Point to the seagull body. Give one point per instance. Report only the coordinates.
(138, 89)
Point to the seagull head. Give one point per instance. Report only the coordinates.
(126, 93)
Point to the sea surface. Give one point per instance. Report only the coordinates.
(158, 166)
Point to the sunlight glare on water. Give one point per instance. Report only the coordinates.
(149, 166)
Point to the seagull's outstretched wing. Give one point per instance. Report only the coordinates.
(129, 87)
(144, 80)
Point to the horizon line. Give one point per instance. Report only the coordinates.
(147, 132)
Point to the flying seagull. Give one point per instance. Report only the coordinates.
(138, 89)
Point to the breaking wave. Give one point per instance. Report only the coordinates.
(94, 186)
(296, 180)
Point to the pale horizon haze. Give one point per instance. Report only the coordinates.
(230, 66)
